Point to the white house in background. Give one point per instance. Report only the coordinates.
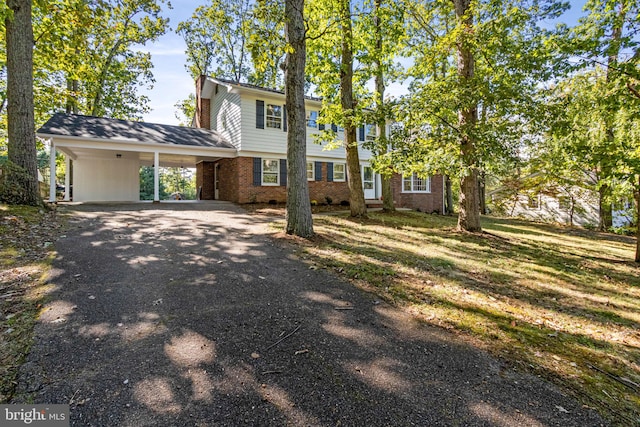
(237, 145)
(574, 206)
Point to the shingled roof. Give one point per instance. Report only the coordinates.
(74, 125)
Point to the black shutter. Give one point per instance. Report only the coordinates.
(259, 114)
(284, 118)
(257, 171)
(318, 166)
(334, 127)
(283, 172)
(362, 133)
(320, 126)
(329, 172)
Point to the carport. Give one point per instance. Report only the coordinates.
(105, 155)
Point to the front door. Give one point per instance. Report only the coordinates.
(369, 182)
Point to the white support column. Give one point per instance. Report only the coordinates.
(67, 178)
(52, 173)
(156, 177)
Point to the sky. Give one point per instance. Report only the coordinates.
(173, 82)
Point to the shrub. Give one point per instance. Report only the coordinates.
(345, 203)
(328, 199)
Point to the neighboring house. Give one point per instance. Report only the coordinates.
(237, 145)
(574, 206)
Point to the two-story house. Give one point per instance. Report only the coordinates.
(237, 145)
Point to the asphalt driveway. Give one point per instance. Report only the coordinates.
(191, 315)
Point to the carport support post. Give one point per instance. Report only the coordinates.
(156, 177)
(67, 178)
(52, 173)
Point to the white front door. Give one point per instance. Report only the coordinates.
(369, 182)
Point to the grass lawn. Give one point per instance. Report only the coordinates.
(26, 251)
(563, 303)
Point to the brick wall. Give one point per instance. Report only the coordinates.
(236, 185)
(426, 202)
(203, 106)
(205, 179)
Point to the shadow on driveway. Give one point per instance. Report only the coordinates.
(191, 315)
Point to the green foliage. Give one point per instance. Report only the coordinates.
(216, 36)
(186, 110)
(86, 58)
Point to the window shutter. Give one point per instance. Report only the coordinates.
(329, 172)
(362, 133)
(318, 172)
(283, 172)
(259, 114)
(334, 127)
(257, 171)
(284, 118)
(320, 126)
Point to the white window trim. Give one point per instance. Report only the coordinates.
(315, 120)
(270, 184)
(344, 173)
(414, 176)
(267, 116)
(367, 135)
(313, 171)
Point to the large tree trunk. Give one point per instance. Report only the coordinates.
(387, 193)
(448, 195)
(469, 217)
(356, 192)
(482, 193)
(605, 209)
(299, 219)
(20, 184)
(637, 259)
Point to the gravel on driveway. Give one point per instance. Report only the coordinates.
(190, 314)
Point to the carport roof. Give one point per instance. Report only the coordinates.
(79, 126)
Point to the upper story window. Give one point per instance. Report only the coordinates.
(339, 173)
(415, 184)
(274, 116)
(370, 132)
(270, 172)
(312, 119)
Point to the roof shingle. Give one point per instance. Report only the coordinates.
(74, 125)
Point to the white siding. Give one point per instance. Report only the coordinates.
(549, 210)
(106, 180)
(274, 141)
(225, 115)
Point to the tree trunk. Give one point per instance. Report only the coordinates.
(387, 193)
(448, 195)
(637, 259)
(21, 181)
(299, 219)
(468, 218)
(356, 192)
(481, 193)
(605, 209)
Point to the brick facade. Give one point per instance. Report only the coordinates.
(425, 202)
(236, 185)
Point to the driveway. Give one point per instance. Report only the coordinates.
(192, 315)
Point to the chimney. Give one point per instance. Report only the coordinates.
(203, 110)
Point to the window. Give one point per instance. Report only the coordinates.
(564, 203)
(270, 172)
(415, 184)
(534, 202)
(339, 172)
(310, 169)
(312, 119)
(274, 116)
(370, 133)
